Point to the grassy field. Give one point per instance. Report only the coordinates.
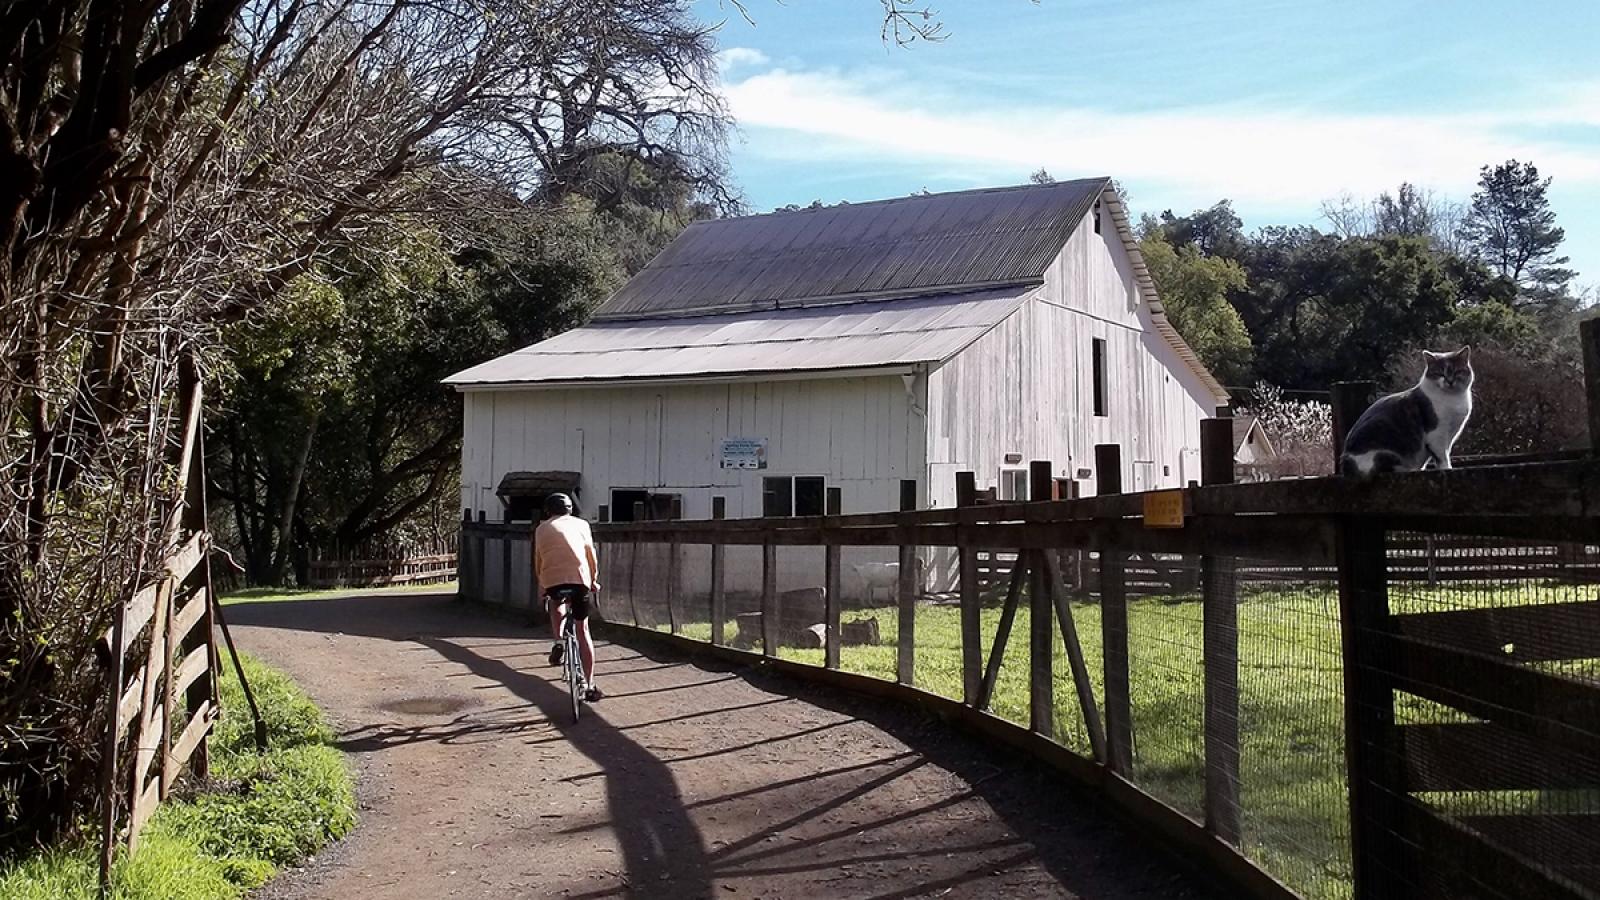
(259, 813)
(1293, 795)
(1292, 758)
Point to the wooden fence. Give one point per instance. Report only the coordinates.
(1530, 728)
(329, 573)
(161, 658)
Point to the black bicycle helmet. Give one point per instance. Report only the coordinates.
(557, 504)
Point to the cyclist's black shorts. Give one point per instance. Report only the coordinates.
(575, 596)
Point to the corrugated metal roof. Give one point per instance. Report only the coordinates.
(921, 244)
(862, 335)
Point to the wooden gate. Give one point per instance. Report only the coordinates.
(162, 658)
(1472, 739)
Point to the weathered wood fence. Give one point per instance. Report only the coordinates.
(161, 658)
(331, 573)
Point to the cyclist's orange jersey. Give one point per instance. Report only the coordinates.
(563, 553)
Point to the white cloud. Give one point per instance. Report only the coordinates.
(736, 57)
(1266, 157)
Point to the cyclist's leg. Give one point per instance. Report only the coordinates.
(552, 605)
(580, 611)
(586, 650)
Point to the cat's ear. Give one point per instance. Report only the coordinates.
(1465, 353)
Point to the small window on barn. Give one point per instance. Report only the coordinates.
(1100, 403)
(1013, 484)
(777, 497)
(623, 502)
(810, 496)
(1097, 217)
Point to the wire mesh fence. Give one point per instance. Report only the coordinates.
(1167, 680)
(1293, 803)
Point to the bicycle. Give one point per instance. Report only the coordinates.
(572, 659)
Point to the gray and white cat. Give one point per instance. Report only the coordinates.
(1403, 432)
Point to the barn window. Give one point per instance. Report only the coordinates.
(1099, 377)
(653, 507)
(804, 495)
(777, 497)
(1097, 217)
(622, 504)
(810, 496)
(1013, 484)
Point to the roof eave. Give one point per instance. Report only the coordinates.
(1147, 289)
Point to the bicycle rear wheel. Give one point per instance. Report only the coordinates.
(574, 676)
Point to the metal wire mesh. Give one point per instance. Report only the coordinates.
(1293, 804)
(1492, 649)
(1167, 679)
(869, 624)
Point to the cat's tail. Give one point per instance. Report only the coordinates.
(1362, 466)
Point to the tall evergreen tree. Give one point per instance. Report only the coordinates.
(1511, 228)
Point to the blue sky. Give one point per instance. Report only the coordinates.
(1275, 104)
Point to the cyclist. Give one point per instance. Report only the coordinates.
(565, 566)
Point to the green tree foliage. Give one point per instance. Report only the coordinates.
(1511, 228)
(338, 433)
(1322, 309)
(1194, 291)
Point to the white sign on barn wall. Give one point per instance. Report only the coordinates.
(744, 453)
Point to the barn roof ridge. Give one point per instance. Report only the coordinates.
(996, 189)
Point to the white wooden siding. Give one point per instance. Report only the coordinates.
(1027, 386)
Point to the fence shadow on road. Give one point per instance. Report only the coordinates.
(1044, 825)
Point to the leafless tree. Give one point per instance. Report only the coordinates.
(1409, 212)
(166, 168)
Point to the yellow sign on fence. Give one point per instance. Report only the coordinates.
(1163, 509)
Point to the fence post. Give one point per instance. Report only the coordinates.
(1376, 796)
(505, 564)
(672, 586)
(906, 595)
(204, 689)
(480, 575)
(831, 586)
(719, 601)
(971, 625)
(1114, 624)
(1219, 575)
(1589, 334)
(1041, 624)
(1350, 400)
(769, 599)
(464, 557)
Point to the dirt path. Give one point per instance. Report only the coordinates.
(684, 782)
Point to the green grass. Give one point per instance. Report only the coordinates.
(261, 811)
(1292, 767)
(279, 595)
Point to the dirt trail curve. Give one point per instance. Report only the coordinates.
(683, 783)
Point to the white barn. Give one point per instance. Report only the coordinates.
(766, 359)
